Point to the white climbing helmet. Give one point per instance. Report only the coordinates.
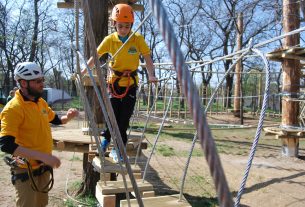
(27, 71)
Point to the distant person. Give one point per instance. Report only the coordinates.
(10, 96)
(26, 134)
(122, 78)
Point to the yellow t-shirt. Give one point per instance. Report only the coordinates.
(28, 122)
(127, 58)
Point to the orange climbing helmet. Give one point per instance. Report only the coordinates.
(122, 13)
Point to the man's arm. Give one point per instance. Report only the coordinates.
(8, 145)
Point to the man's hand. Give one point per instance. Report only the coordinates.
(51, 160)
(71, 113)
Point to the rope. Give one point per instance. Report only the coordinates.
(146, 123)
(87, 107)
(254, 46)
(108, 112)
(190, 91)
(159, 131)
(207, 107)
(259, 127)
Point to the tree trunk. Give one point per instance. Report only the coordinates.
(238, 69)
(291, 77)
(99, 20)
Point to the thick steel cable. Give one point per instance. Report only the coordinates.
(190, 91)
(110, 122)
(259, 127)
(88, 109)
(159, 131)
(206, 109)
(115, 133)
(254, 46)
(146, 123)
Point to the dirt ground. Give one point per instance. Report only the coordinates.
(273, 181)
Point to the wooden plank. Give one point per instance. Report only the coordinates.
(115, 187)
(105, 200)
(66, 5)
(159, 201)
(109, 166)
(71, 135)
(70, 5)
(72, 147)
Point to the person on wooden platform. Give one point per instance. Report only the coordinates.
(122, 78)
(26, 135)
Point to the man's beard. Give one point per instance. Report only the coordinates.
(34, 93)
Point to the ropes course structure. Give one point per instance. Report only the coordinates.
(190, 91)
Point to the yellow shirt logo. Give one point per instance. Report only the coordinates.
(132, 50)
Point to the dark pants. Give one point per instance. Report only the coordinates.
(123, 109)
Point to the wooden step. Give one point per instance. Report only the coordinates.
(115, 187)
(106, 194)
(159, 201)
(111, 167)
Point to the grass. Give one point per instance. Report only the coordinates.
(77, 201)
(165, 150)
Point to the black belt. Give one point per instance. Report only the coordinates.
(37, 172)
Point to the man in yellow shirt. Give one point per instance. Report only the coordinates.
(26, 134)
(122, 78)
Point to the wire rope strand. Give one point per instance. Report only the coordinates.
(115, 133)
(190, 91)
(259, 128)
(206, 109)
(159, 131)
(88, 109)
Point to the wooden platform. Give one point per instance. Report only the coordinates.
(73, 140)
(284, 133)
(159, 201)
(295, 53)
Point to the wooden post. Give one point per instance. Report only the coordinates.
(291, 77)
(238, 67)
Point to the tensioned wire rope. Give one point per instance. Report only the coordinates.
(205, 111)
(114, 131)
(190, 91)
(259, 127)
(147, 120)
(159, 131)
(87, 107)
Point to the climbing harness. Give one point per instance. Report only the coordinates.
(113, 88)
(19, 163)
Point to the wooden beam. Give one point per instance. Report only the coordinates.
(168, 201)
(70, 5)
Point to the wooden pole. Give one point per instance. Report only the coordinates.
(291, 77)
(238, 68)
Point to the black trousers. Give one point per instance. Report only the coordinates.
(123, 109)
